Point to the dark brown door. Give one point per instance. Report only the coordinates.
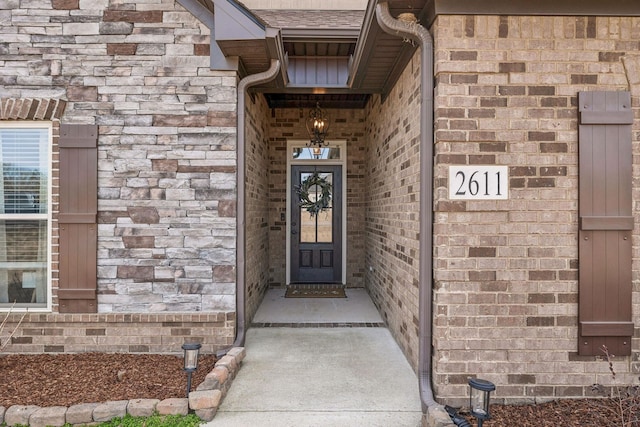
(316, 238)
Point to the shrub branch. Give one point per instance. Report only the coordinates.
(3, 345)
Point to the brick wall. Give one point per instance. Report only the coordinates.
(256, 202)
(289, 124)
(118, 332)
(506, 271)
(392, 206)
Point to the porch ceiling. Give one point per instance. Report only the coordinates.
(339, 54)
(335, 57)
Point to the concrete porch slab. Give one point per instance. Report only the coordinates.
(356, 308)
(322, 377)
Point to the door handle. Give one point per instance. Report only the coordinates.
(294, 232)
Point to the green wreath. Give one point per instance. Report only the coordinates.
(322, 203)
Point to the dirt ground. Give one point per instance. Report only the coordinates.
(68, 379)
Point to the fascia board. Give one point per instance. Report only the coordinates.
(203, 14)
(364, 45)
(234, 22)
(217, 60)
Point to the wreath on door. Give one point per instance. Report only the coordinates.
(323, 199)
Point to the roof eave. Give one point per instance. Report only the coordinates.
(368, 52)
(359, 57)
(247, 41)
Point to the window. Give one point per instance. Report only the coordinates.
(316, 153)
(25, 215)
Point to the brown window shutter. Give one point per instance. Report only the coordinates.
(78, 218)
(606, 223)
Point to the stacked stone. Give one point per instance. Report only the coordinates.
(166, 148)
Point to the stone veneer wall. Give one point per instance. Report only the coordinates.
(289, 124)
(167, 162)
(256, 202)
(506, 271)
(392, 207)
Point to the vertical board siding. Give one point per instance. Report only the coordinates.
(606, 223)
(318, 71)
(77, 218)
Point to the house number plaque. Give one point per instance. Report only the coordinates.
(478, 182)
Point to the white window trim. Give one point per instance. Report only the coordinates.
(49, 126)
(342, 161)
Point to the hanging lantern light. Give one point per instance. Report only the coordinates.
(318, 127)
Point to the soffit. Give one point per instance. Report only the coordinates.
(318, 45)
(316, 32)
(380, 58)
(332, 54)
(318, 49)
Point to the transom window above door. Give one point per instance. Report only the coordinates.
(316, 153)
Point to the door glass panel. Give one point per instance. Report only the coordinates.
(325, 226)
(307, 227)
(317, 228)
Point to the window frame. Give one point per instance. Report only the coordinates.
(48, 126)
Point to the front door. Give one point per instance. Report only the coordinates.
(316, 224)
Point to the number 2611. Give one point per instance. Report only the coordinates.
(477, 182)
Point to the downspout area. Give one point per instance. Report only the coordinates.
(243, 86)
(421, 35)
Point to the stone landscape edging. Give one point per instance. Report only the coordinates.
(204, 402)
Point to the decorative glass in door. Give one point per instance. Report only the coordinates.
(316, 225)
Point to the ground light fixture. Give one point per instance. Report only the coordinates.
(191, 352)
(479, 398)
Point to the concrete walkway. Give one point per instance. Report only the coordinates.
(321, 376)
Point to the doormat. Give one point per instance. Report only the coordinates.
(315, 291)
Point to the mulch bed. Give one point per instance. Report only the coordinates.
(563, 413)
(68, 379)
